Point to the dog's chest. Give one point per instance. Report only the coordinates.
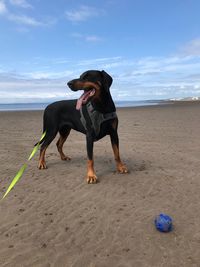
(93, 119)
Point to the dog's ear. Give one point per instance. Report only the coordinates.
(107, 80)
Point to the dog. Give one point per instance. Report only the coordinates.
(93, 114)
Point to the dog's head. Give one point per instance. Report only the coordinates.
(94, 84)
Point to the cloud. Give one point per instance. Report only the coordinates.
(83, 13)
(22, 19)
(147, 78)
(21, 3)
(99, 61)
(29, 88)
(3, 8)
(93, 38)
(39, 75)
(87, 38)
(26, 20)
(30, 21)
(192, 48)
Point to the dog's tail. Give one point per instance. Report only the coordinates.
(39, 143)
(41, 139)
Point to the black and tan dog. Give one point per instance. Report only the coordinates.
(93, 114)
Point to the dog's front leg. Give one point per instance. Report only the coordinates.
(91, 177)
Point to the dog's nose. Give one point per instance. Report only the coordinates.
(70, 84)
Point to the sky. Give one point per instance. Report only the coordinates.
(151, 48)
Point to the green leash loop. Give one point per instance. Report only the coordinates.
(23, 168)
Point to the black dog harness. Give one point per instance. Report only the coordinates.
(92, 119)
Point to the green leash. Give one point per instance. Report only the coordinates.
(23, 168)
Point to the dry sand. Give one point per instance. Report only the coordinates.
(54, 218)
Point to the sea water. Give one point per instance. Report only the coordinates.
(42, 106)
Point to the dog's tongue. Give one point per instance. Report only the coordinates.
(83, 98)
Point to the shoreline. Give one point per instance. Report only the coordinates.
(147, 105)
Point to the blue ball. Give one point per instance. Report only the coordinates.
(163, 223)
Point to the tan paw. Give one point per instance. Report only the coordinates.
(42, 166)
(91, 179)
(121, 168)
(65, 158)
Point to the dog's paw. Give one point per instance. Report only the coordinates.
(42, 166)
(92, 179)
(121, 168)
(65, 158)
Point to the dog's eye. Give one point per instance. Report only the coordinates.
(84, 76)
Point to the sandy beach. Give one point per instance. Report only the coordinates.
(54, 218)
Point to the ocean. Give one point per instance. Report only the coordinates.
(41, 106)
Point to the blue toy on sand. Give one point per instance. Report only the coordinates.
(163, 223)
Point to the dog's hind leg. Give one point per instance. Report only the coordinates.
(121, 167)
(60, 143)
(42, 164)
(50, 135)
